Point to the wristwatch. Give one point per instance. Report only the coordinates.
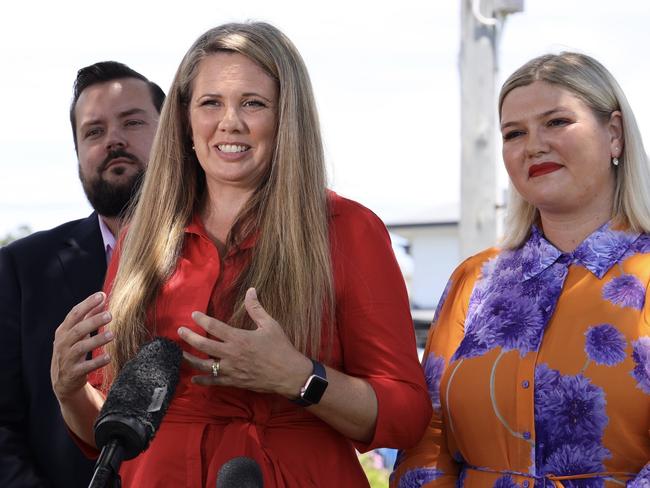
(314, 387)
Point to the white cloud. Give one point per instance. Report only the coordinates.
(385, 77)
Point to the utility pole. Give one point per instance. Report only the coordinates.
(481, 25)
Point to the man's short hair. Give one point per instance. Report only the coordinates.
(108, 71)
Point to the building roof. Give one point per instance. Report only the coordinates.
(396, 216)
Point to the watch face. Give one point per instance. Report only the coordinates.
(316, 386)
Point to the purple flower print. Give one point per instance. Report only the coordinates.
(574, 410)
(571, 459)
(641, 357)
(602, 249)
(478, 297)
(517, 292)
(442, 300)
(433, 367)
(470, 347)
(640, 246)
(416, 477)
(512, 322)
(537, 255)
(605, 345)
(507, 311)
(641, 480)
(570, 419)
(505, 482)
(625, 291)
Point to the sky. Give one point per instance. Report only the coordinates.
(385, 76)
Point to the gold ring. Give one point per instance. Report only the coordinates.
(215, 368)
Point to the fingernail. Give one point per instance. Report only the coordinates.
(253, 293)
(108, 334)
(106, 316)
(98, 296)
(181, 331)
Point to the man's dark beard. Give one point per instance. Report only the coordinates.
(108, 199)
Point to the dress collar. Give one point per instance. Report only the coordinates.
(197, 228)
(598, 252)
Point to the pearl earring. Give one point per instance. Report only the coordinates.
(615, 161)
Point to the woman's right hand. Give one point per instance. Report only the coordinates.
(73, 342)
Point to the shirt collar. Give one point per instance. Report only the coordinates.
(197, 228)
(107, 237)
(598, 252)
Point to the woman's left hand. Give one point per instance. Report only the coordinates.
(262, 360)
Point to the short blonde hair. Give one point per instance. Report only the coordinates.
(592, 83)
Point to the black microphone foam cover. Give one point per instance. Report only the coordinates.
(139, 397)
(240, 472)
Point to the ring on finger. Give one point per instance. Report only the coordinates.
(215, 367)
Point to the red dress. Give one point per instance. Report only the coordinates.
(373, 339)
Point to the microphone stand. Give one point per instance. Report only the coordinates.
(107, 468)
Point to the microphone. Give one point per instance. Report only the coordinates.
(134, 407)
(240, 472)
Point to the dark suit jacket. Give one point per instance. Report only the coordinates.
(41, 278)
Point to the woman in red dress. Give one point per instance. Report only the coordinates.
(285, 297)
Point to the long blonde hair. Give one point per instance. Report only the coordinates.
(592, 83)
(291, 264)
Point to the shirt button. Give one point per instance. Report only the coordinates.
(526, 435)
(525, 484)
(525, 384)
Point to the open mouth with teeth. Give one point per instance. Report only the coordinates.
(233, 148)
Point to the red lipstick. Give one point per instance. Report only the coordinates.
(542, 169)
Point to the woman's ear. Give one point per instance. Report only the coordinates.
(615, 126)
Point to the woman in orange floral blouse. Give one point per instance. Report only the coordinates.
(538, 361)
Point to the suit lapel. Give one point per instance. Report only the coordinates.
(83, 259)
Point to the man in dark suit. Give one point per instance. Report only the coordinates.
(114, 115)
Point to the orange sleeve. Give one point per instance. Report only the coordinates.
(430, 463)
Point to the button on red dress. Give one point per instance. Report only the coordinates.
(373, 339)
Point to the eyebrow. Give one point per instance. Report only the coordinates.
(540, 116)
(121, 115)
(245, 94)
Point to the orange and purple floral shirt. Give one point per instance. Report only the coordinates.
(538, 369)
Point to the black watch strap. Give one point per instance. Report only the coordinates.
(314, 388)
(319, 370)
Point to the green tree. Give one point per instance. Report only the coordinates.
(21, 231)
(377, 477)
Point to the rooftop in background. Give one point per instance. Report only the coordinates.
(416, 216)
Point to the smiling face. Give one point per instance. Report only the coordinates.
(233, 119)
(557, 151)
